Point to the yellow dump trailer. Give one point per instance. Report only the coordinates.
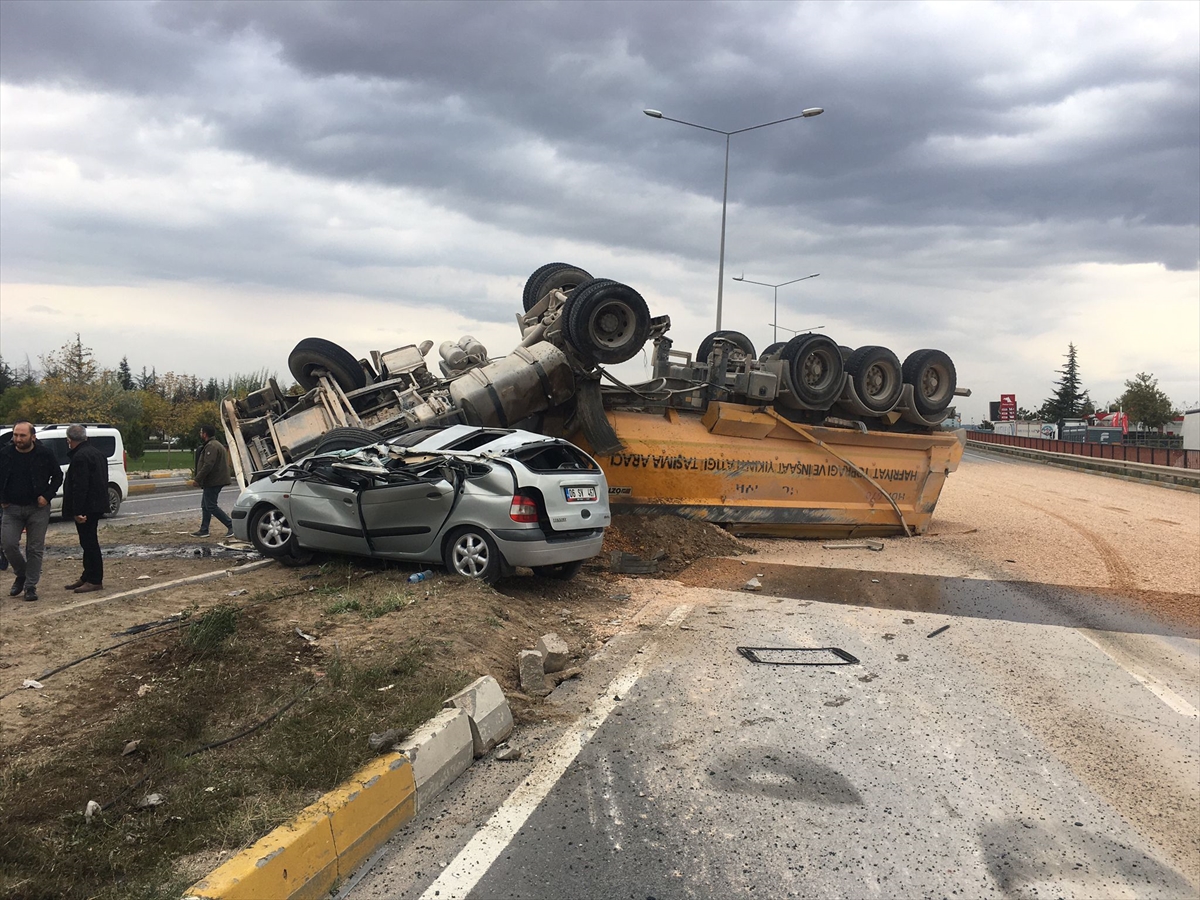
(755, 472)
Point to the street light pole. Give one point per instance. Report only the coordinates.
(775, 317)
(655, 114)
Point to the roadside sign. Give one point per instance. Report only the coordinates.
(1008, 407)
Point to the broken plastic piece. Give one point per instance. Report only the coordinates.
(792, 656)
(868, 544)
(30, 683)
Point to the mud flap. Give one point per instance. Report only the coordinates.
(590, 418)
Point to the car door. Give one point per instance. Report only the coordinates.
(325, 516)
(404, 517)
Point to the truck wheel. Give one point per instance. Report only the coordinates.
(738, 339)
(552, 277)
(932, 375)
(816, 371)
(346, 439)
(875, 372)
(312, 354)
(114, 500)
(772, 352)
(472, 553)
(607, 322)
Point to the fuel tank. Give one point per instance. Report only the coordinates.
(754, 472)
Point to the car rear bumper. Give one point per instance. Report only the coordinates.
(532, 547)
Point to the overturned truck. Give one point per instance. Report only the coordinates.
(807, 438)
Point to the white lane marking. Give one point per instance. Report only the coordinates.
(1163, 693)
(473, 861)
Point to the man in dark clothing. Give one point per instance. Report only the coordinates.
(212, 474)
(29, 478)
(85, 498)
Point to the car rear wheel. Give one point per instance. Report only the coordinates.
(561, 571)
(471, 553)
(114, 499)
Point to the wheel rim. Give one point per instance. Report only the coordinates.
(274, 530)
(471, 555)
(933, 381)
(613, 325)
(815, 370)
(114, 501)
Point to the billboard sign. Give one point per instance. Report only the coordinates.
(1008, 407)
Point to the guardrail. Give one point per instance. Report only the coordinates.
(1150, 456)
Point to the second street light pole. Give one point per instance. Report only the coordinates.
(775, 317)
(655, 114)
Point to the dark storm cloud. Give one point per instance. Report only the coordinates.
(934, 119)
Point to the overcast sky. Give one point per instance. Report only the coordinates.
(197, 186)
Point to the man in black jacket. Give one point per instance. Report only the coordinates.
(29, 478)
(85, 498)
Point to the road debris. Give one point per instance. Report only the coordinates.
(90, 810)
(868, 544)
(384, 739)
(150, 801)
(307, 637)
(507, 752)
(30, 683)
(796, 656)
(752, 585)
(131, 747)
(631, 564)
(937, 631)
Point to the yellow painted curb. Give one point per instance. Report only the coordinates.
(142, 489)
(327, 841)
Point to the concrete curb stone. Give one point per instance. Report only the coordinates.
(487, 712)
(329, 839)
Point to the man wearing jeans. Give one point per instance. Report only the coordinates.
(29, 478)
(85, 499)
(212, 474)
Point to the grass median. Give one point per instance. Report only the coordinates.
(235, 724)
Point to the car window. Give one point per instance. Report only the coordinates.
(477, 439)
(58, 445)
(553, 458)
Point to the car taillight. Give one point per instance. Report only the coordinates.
(523, 509)
(125, 460)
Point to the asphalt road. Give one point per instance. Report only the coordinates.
(1045, 745)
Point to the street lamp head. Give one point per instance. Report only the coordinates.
(741, 277)
(808, 113)
(655, 114)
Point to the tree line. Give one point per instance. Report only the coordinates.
(1143, 401)
(71, 386)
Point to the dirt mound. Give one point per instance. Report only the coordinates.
(674, 542)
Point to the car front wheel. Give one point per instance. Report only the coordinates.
(472, 553)
(271, 532)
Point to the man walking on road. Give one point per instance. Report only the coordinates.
(212, 474)
(85, 498)
(29, 478)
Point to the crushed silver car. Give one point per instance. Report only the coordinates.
(479, 500)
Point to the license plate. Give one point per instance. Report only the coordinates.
(579, 494)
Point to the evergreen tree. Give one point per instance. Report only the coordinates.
(1143, 402)
(146, 382)
(124, 376)
(1069, 401)
(8, 378)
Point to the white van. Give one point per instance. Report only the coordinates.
(107, 438)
